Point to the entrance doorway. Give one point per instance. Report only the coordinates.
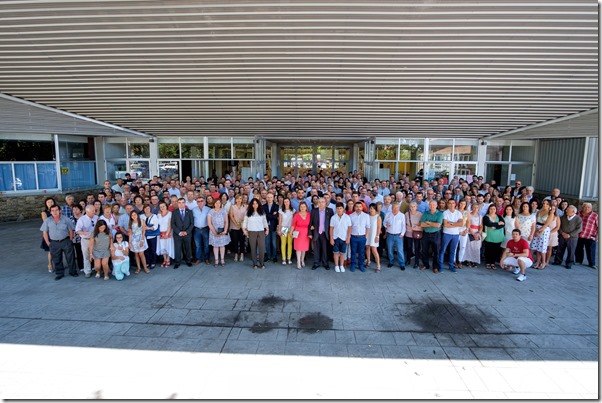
(298, 160)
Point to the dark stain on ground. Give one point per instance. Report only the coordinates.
(314, 322)
(271, 301)
(263, 327)
(445, 317)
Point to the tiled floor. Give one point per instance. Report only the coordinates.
(282, 333)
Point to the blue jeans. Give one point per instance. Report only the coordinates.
(358, 246)
(201, 240)
(397, 242)
(270, 245)
(452, 240)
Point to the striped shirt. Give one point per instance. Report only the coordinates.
(590, 226)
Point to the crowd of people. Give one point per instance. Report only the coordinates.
(339, 217)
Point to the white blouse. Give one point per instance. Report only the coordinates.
(255, 223)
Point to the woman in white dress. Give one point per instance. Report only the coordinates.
(165, 244)
(473, 247)
(510, 223)
(373, 236)
(138, 241)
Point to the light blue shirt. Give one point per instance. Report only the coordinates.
(422, 206)
(200, 217)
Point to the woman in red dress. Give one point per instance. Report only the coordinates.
(299, 229)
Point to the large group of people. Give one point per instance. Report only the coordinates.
(338, 217)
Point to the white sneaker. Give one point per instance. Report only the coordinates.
(336, 268)
(342, 269)
(516, 270)
(522, 277)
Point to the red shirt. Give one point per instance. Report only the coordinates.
(590, 226)
(519, 247)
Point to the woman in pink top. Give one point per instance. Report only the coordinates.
(300, 228)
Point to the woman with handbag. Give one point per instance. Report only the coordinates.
(285, 221)
(217, 220)
(165, 245)
(413, 236)
(300, 230)
(472, 255)
(493, 225)
(152, 231)
(237, 216)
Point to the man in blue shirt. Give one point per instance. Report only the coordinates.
(201, 231)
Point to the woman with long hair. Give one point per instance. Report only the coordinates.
(526, 222)
(494, 228)
(153, 230)
(510, 224)
(300, 230)
(255, 227)
(48, 203)
(137, 237)
(472, 255)
(285, 222)
(463, 240)
(541, 238)
(554, 227)
(100, 251)
(120, 250)
(373, 236)
(165, 245)
(237, 216)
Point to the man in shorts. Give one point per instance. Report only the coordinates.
(340, 236)
(517, 256)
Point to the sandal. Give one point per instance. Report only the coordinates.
(222, 263)
(378, 269)
(50, 269)
(215, 264)
(137, 271)
(254, 267)
(146, 270)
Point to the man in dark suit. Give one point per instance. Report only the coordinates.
(271, 214)
(182, 223)
(319, 228)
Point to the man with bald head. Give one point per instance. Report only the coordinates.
(570, 227)
(84, 228)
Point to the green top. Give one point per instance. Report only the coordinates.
(432, 217)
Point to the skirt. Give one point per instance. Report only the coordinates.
(540, 243)
(553, 239)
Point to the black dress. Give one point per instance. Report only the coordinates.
(44, 245)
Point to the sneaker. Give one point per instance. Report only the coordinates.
(97, 275)
(289, 261)
(336, 268)
(522, 277)
(342, 269)
(284, 262)
(516, 270)
(88, 275)
(452, 269)
(236, 257)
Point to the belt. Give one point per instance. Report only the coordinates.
(202, 227)
(358, 236)
(388, 233)
(60, 240)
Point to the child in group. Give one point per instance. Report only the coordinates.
(120, 250)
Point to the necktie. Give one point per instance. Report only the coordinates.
(182, 214)
(321, 223)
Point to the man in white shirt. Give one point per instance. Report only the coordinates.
(395, 224)
(84, 228)
(360, 223)
(452, 221)
(340, 236)
(190, 200)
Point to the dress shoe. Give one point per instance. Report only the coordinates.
(314, 267)
(176, 266)
(196, 262)
(435, 270)
(60, 276)
(189, 264)
(362, 269)
(422, 267)
(593, 266)
(557, 263)
(390, 265)
(569, 266)
(207, 262)
(275, 260)
(327, 267)
(76, 274)
(352, 269)
(402, 268)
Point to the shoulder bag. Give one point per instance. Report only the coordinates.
(415, 234)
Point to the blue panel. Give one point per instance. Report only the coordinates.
(79, 174)
(25, 176)
(6, 177)
(47, 176)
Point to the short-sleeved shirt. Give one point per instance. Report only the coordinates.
(340, 226)
(57, 231)
(519, 247)
(452, 218)
(359, 223)
(432, 217)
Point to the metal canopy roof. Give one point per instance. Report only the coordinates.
(329, 69)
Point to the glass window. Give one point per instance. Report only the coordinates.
(116, 169)
(522, 172)
(193, 150)
(384, 170)
(139, 150)
(523, 153)
(386, 152)
(19, 150)
(245, 152)
(437, 170)
(305, 157)
(169, 169)
(465, 171)
(287, 153)
(440, 150)
(169, 150)
(497, 172)
(115, 150)
(220, 150)
(6, 177)
(498, 153)
(73, 151)
(78, 174)
(411, 150)
(410, 169)
(139, 170)
(341, 154)
(465, 150)
(25, 176)
(47, 176)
